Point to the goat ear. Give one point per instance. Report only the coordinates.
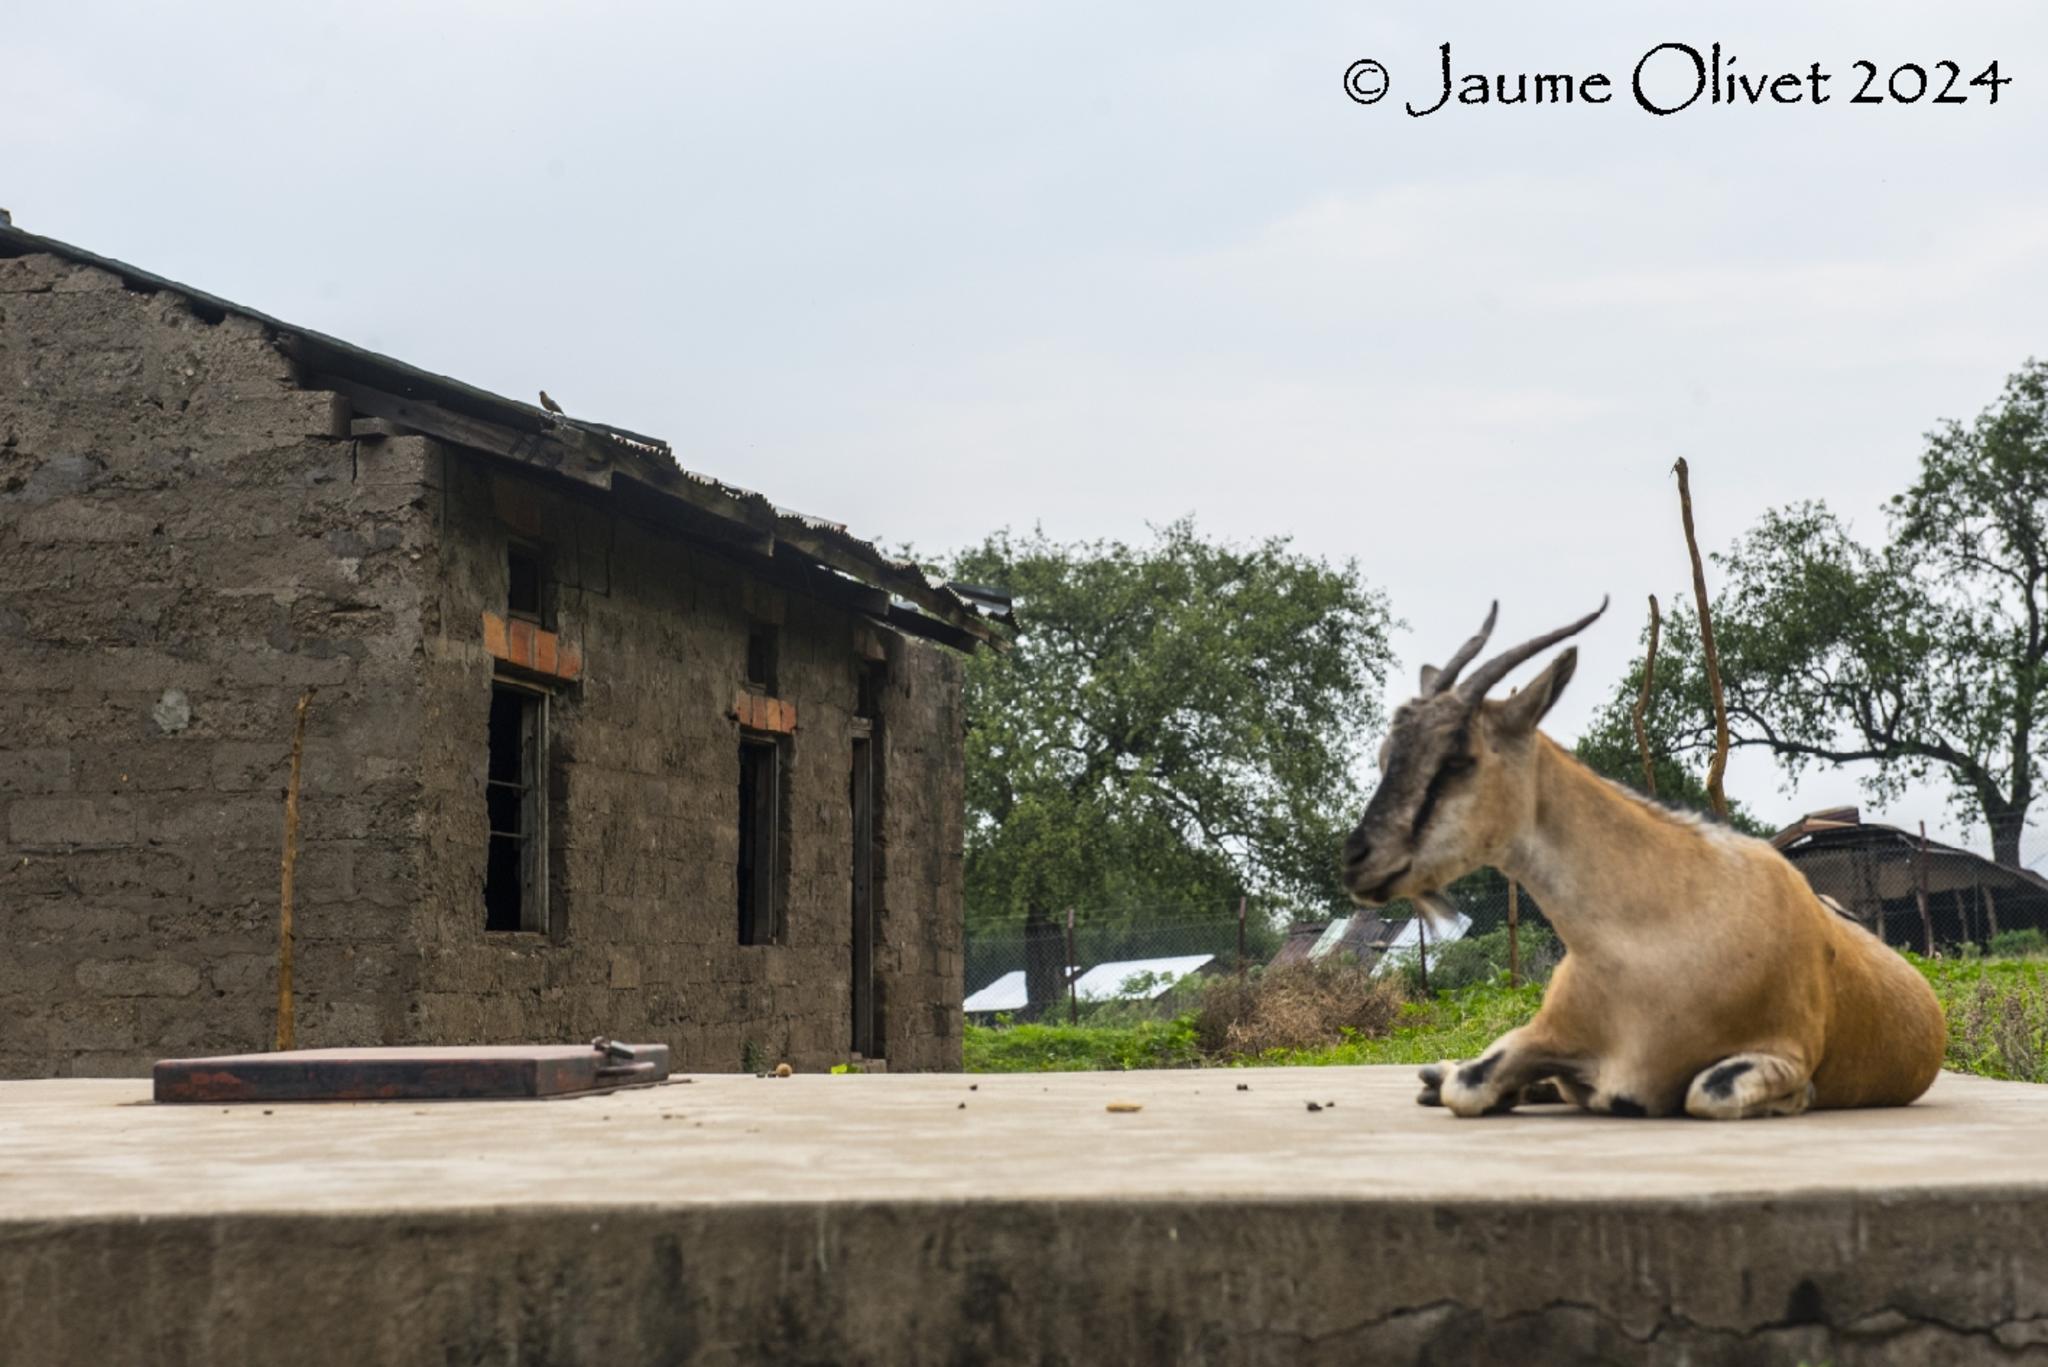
(1429, 678)
(1522, 710)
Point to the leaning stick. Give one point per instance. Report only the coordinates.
(1643, 702)
(291, 863)
(1719, 764)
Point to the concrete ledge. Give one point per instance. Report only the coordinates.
(1212, 1227)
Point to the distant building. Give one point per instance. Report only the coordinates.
(1125, 980)
(1875, 873)
(1364, 936)
(598, 745)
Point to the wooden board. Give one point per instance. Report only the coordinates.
(488, 1072)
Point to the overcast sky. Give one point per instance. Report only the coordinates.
(934, 269)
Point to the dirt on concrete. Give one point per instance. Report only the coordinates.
(852, 1219)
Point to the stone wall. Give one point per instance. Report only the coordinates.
(188, 540)
(185, 546)
(644, 811)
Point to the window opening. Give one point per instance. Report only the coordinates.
(763, 840)
(515, 880)
(761, 652)
(524, 579)
(867, 703)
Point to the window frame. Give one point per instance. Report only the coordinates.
(761, 868)
(532, 789)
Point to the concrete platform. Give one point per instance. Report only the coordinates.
(876, 1219)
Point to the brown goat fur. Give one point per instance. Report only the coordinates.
(1703, 974)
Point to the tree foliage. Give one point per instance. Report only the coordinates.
(1679, 725)
(1178, 722)
(1922, 657)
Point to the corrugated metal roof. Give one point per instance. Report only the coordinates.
(1153, 978)
(1102, 983)
(1364, 936)
(1007, 993)
(323, 354)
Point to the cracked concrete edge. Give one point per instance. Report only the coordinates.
(1925, 1277)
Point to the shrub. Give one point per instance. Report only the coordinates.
(1478, 959)
(1295, 1006)
(2018, 944)
(1997, 1016)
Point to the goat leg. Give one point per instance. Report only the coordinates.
(1742, 1086)
(1495, 1081)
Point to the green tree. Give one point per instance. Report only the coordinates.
(1922, 657)
(1178, 721)
(1672, 725)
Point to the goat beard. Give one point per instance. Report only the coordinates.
(1437, 909)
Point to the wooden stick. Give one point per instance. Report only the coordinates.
(1643, 707)
(1514, 931)
(1073, 992)
(291, 864)
(1422, 939)
(1719, 765)
(1920, 890)
(1240, 936)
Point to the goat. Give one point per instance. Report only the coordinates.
(1703, 974)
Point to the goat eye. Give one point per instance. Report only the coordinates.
(1458, 764)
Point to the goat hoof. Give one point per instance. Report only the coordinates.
(1432, 1086)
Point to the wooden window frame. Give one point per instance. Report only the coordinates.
(531, 788)
(761, 872)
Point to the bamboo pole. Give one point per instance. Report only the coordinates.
(290, 870)
(1719, 765)
(1642, 710)
(1514, 931)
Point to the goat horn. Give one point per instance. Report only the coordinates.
(1448, 675)
(1495, 669)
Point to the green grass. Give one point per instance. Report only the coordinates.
(1997, 1015)
(1082, 1048)
(1456, 1025)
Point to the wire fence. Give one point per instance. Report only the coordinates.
(1924, 897)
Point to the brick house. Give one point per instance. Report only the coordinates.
(594, 744)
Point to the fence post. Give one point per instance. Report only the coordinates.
(1240, 936)
(1073, 995)
(1422, 940)
(1920, 890)
(1514, 936)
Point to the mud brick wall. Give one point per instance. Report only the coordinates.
(189, 539)
(185, 545)
(644, 805)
